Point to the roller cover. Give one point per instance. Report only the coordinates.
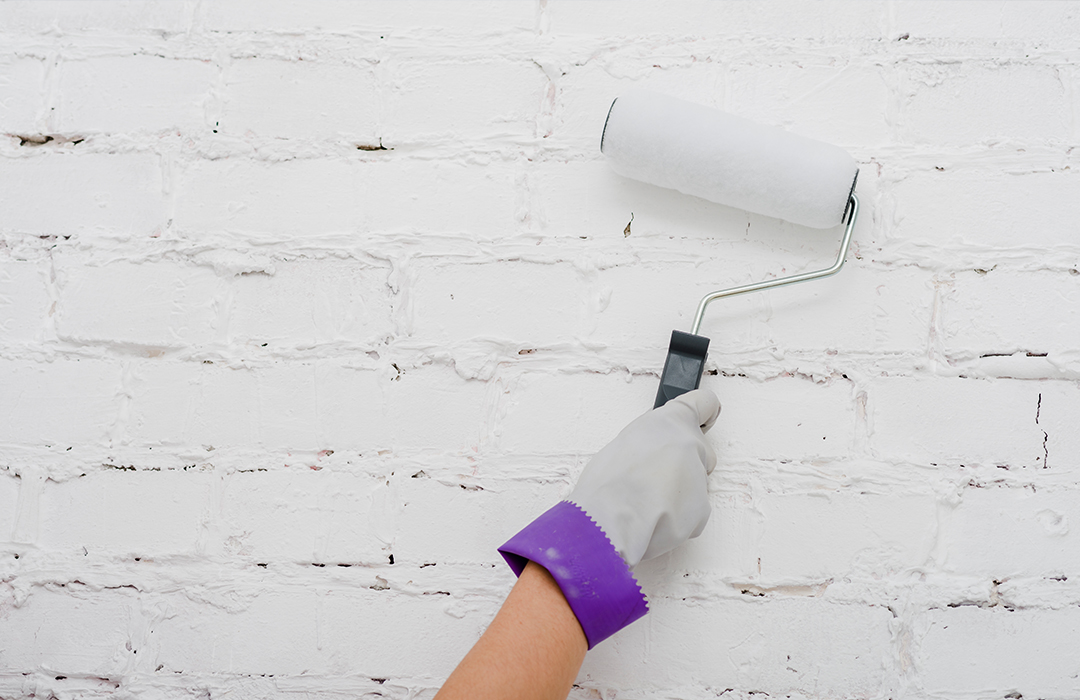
(727, 159)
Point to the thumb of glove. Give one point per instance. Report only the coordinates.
(704, 404)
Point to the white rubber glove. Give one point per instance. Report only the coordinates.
(647, 488)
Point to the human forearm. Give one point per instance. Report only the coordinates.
(531, 651)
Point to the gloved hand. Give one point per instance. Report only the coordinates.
(641, 496)
(646, 489)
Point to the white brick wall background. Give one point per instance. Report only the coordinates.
(306, 307)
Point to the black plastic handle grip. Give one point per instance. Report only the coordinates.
(683, 366)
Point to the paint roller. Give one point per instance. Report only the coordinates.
(733, 161)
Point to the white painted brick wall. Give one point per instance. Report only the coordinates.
(271, 396)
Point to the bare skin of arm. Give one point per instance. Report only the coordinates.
(532, 650)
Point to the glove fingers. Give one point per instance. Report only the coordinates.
(703, 403)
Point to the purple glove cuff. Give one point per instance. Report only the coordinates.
(594, 579)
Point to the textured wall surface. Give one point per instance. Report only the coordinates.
(306, 307)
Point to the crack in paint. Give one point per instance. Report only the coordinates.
(1046, 436)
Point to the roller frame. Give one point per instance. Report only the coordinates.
(687, 352)
(851, 213)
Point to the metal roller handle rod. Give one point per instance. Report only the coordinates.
(852, 212)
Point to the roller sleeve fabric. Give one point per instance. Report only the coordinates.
(727, 159)
(640, 496)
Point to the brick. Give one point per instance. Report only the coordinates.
(961, 103)
(1005, 312)
(448, 628)
(414, 409)
(342, 15)
(447, 524)
(116, 194)
(1059, 414)
(455, 303)
(309, 197)
(781, 539)
(945, 420)
(318, 632)
(142, 513)
(95, 15)
(463, 199)
(64, 402)
(216, 407)
(860, 309)
(1029, 20)
(705, 19)
(134, 93)
(156, 304)
(845, 104)
(289, 395)
(569, 413)
(975, 207)
(193, 405)
(301, 100)
(1072, 80)
(306, 303)
(304, 516)
(761, 646)
(70, 630)
(22, 94)
(1031, 652)
(454, 99)
(1003, 533)
(24, 301)
(785, 418)
(298, 196)
(311, 406)
(9, 501)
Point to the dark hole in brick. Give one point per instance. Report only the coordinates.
(391, 558)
